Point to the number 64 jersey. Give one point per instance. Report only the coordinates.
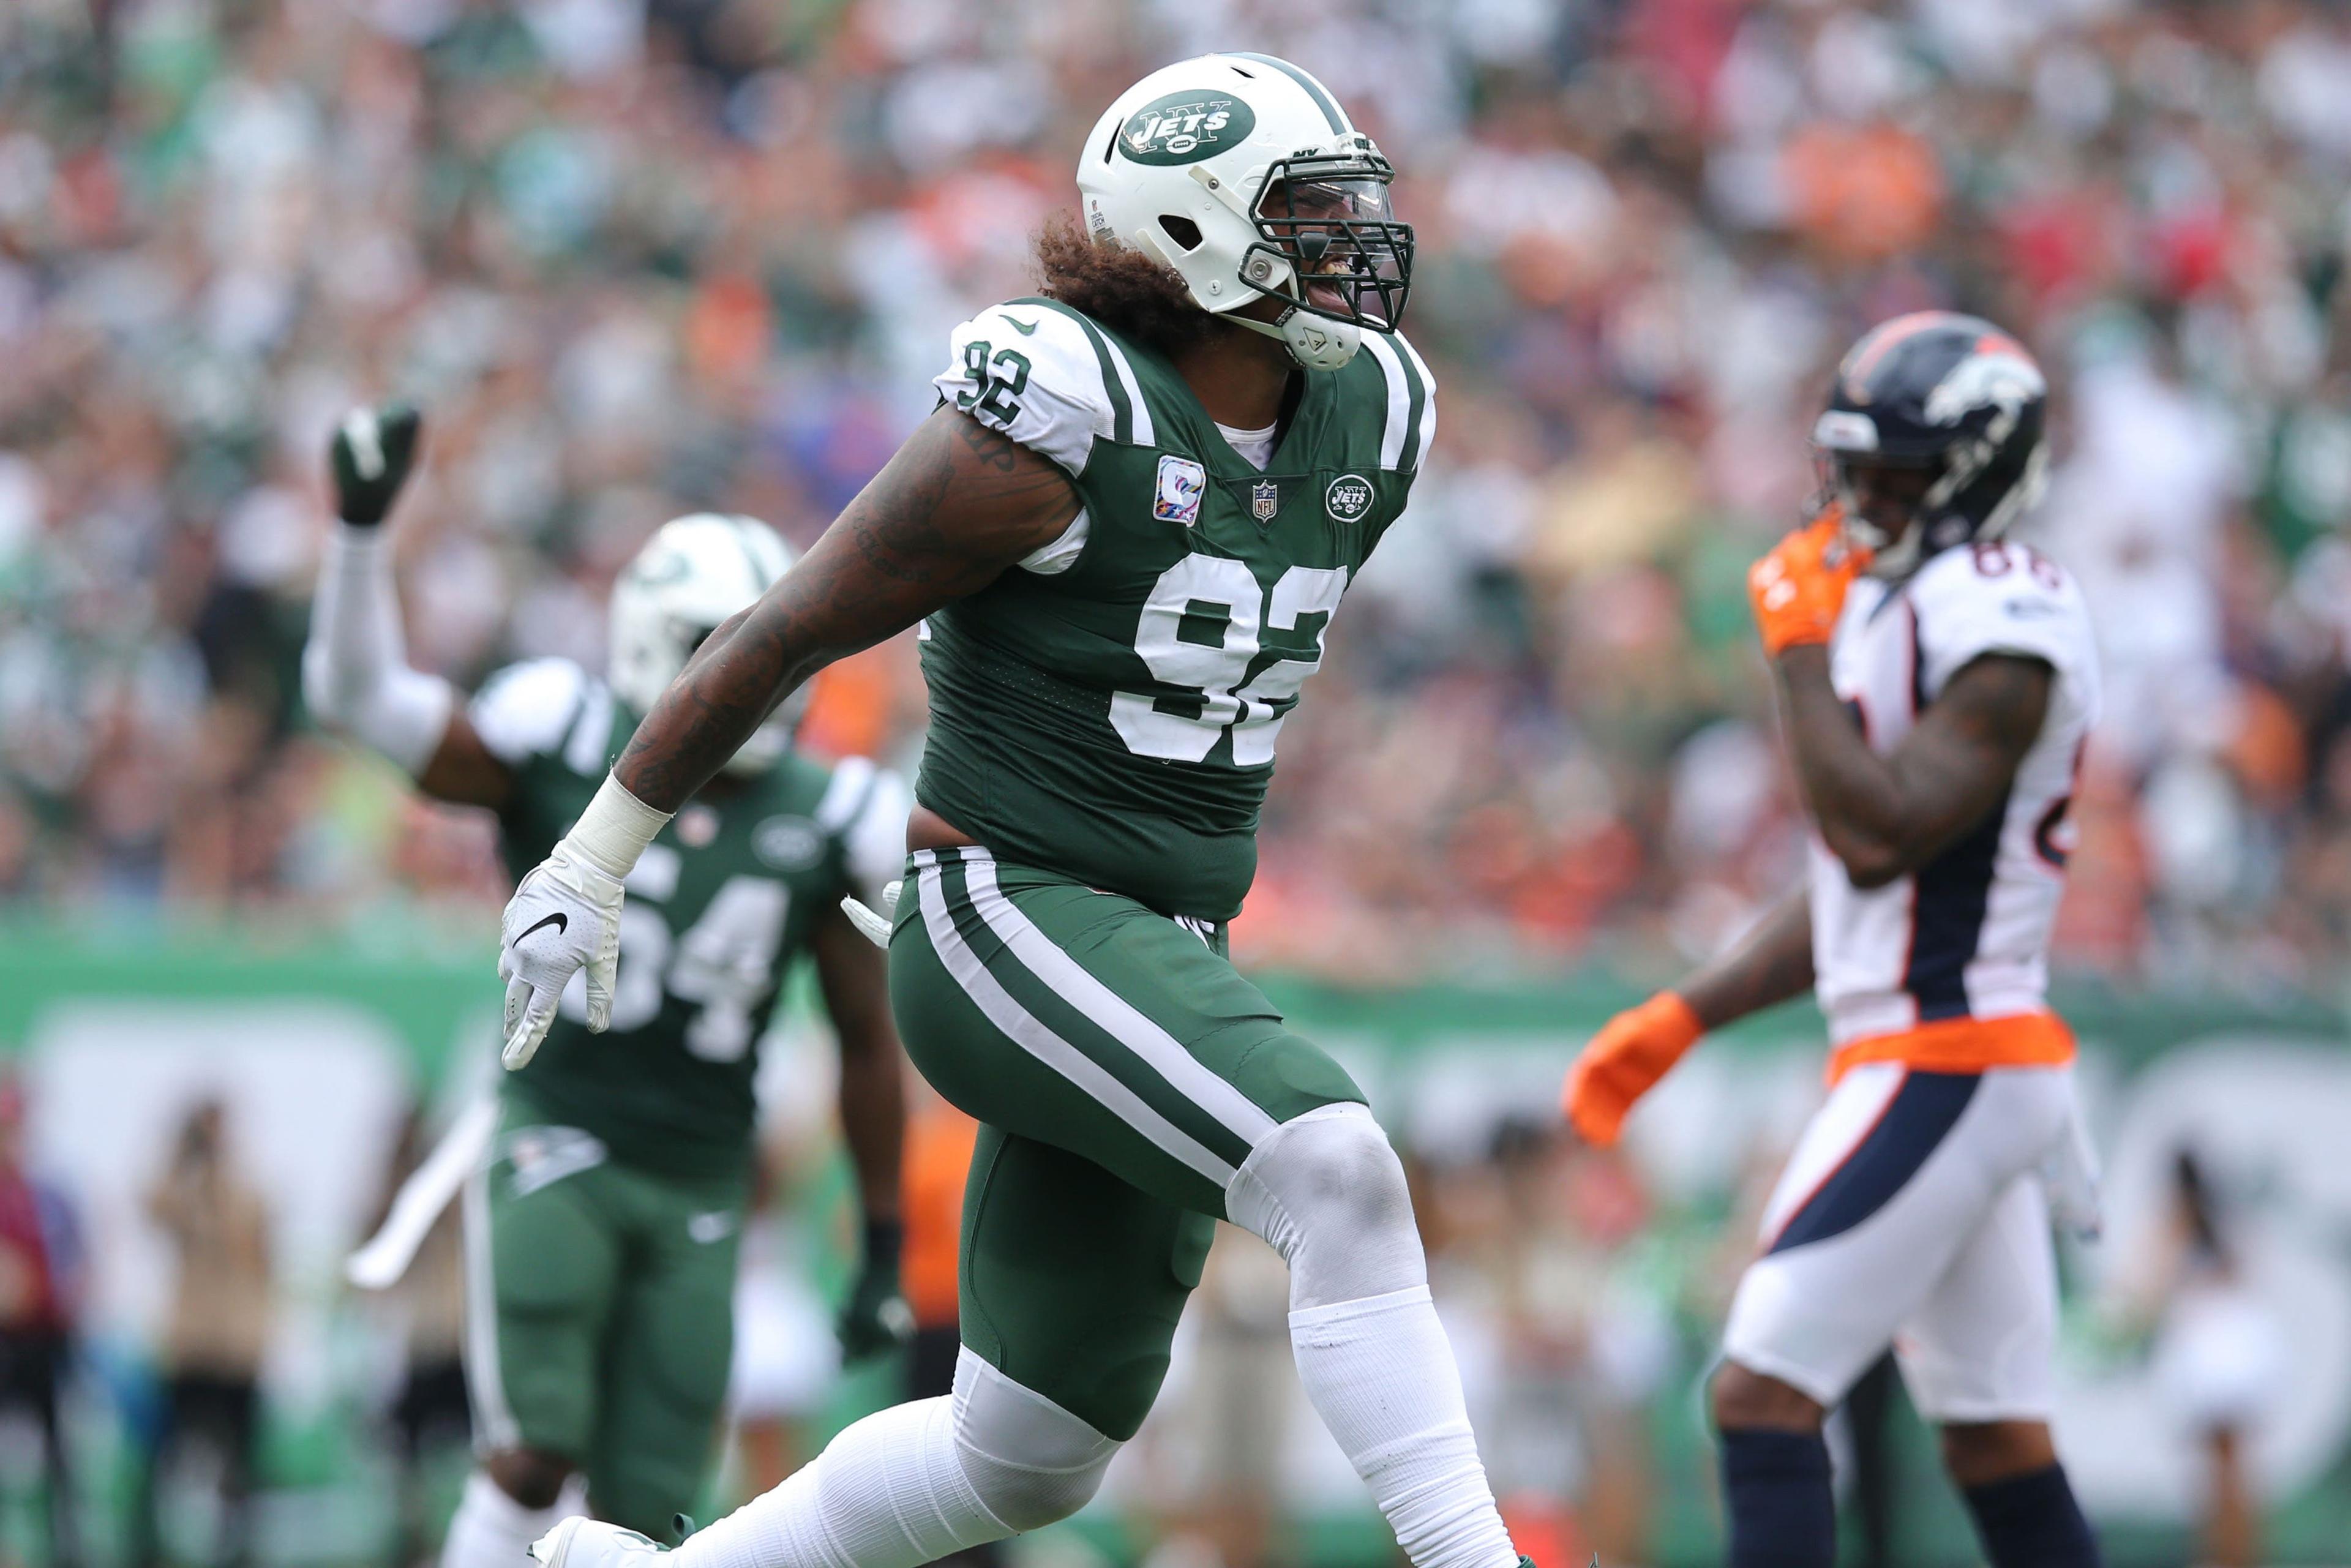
(723, 900)
(1108, 710)
(1946, 968)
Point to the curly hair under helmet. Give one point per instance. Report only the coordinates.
(1137, 297)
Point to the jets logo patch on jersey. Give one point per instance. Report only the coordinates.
(1182, 483)
(1348, 498)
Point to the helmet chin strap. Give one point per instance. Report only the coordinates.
(1316, 342)
(1892, 559)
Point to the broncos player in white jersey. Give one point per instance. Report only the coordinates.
(1937, 683)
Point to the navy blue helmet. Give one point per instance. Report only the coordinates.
(1955, 401)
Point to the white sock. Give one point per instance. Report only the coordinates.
(888, 1492)
(490, 1529)
(1381, 1374)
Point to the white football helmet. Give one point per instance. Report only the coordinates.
(695, 572)
(1242, 173)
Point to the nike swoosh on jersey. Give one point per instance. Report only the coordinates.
(1026, 329)
(560, 921)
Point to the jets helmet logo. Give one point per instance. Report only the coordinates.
(1185, 127)
(1348, 498)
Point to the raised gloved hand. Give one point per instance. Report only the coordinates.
(1623, 1061)
(369, 457)
(874, 923)
(876, 1317)
(1799, 589)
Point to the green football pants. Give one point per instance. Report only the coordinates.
(1122, 1071)
(599, 1316)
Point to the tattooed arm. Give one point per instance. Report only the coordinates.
(1884, 816)
(958, 507)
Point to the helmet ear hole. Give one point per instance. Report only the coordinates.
(1182, 230)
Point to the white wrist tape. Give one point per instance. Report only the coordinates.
(615, 828)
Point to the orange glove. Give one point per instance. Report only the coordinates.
(1622, 1061)
(1800, 587)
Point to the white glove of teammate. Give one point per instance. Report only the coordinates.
(566, 917)
(874, 922)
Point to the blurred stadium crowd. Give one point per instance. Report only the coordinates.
(640, 257)
(636, 257)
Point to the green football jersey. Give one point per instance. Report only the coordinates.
(1108, 710)
(719, 905)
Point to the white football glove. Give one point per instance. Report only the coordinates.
(2070, 1177)
(874, 922)
(565, 916)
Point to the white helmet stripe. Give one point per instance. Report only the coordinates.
(750, 536)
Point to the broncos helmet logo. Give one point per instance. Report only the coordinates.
(1998, 374)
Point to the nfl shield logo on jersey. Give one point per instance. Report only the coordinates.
(1181, 482)
(1264, 499)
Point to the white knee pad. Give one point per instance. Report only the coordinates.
(917, 1482)
(1028, 1462)
(1327, 1190)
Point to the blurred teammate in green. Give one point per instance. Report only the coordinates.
(600, 1237)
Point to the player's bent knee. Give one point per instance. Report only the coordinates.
(1327, 1191)
(1029, 1463)
(1023, 1502)
(531, 1477)
(1748, 1400)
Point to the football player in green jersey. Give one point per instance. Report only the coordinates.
(1124, 529)
(602, 1236)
